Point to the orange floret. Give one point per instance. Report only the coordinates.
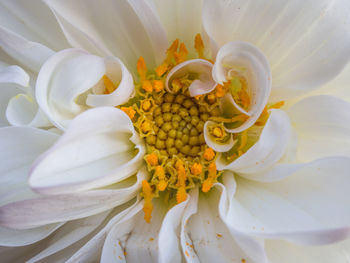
(209, 154)
(152, 159)
(109, 86)
(147, 195)
(129, 111)
(196, 169)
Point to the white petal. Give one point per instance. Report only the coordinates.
(118, 73)
(211, 239)
(307, 44)
(13, 80)
(45, 210)
(15, 237)
(286, 252)
(210, 140)
(99, 148)
(269, 149)
(68, 77)
(124, 219)
(251, 246)
(30, 54)
(168, 242)
(256, 71)
(23, 110)
(34, 21)
(182, 20)
(142, 243)
(322, 124)
(112, 28)
(202, 68)
(70, 233)
(308, 207)
(19, 147)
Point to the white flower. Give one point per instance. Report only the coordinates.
(281, 189)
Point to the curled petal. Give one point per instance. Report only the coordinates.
(270, 147)
(249, 62)
(68, 80)
(201, 68)
(99, 148)
(213, 143)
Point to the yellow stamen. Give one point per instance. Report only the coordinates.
(211, 98)
(141, 68)
(161, 69)
(147, 195)
(181, 56)
(161, 176)
(176, 84)
(277, 105)
(129, 111)
(146, 127)
(146, 105)
(208, 183)
(147, 86)
(199, 45)
(152, 159)
(220, 91)
(196, 169)
(218, 132)
(209, 154)
(158, 85)
(109, 86)
(181, 195)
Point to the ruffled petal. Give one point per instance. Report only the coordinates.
(120, 28)
(45, 210)
(124, 220)
(322, 124)
(307, 44)
(99, 148)
(251, 246)
(269, 149)
(308, 207)
(252, 64)
(212, 143)
(201, 68)
(69, 234)
(71, 81)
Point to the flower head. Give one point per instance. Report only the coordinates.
(170, 131)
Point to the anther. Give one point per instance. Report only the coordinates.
(129, 111)
(152, 159)
(208, 154)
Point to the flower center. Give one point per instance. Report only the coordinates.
(176, 126)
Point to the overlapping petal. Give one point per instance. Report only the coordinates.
(99, 148)
(307, 44)
(71, 81)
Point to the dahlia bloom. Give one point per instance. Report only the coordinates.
(174, 131)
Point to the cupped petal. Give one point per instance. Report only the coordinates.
(211, 141)
(201, 69)
(269, 149)
(30, 54)
(322, 124)
(50, 209)
(124, 29)
(69, 234)
(245, 59)
(307, 44)
(13, 80)
(99, 148)
(283, 251)
(22, 110)
(307, 207)
(71, 81)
